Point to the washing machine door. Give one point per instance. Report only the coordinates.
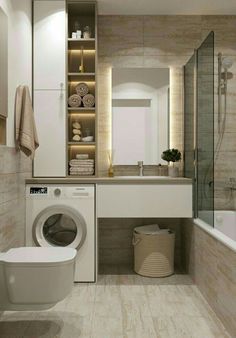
(59, 226)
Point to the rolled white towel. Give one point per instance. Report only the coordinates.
(89, 100)
(74, 100)
(82, 89)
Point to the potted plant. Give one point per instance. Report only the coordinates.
(172, 156)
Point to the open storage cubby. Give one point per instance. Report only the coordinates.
(81, 68)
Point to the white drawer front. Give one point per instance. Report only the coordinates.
(144, 200)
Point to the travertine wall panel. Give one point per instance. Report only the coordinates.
(115, 240)
(212, 266)
(15, 167)
(167, 41)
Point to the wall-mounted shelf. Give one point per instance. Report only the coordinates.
(81, 109)
(81, 52)
(81, 76)
(88, 44)
(79, 143)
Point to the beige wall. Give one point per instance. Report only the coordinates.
(115, 242)
(141, 41)
(166, 41)
(15, 167)
(212, 266)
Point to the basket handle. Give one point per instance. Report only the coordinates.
(135, 241)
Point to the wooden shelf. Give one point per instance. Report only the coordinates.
(82, 176)
(81, 143)
(83, 13)
(81, 109)
(81, 76)
(76, 44)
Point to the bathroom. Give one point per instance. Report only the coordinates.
(126, 42)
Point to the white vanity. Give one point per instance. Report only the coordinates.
(134, 196)
(144, 198)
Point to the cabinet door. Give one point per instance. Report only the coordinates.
(49, 109)
(49, 44)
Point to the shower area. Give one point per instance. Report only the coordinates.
(206, 79)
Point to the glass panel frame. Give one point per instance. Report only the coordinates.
(205, 130)
(199, 128)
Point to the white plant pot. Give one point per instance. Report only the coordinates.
(173, 171)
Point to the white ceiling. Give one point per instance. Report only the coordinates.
(161, 7)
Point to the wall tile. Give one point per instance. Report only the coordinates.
(14, 169)
(212, 266)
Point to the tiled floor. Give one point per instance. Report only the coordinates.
(121, 306)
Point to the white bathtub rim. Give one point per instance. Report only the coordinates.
(230, 243)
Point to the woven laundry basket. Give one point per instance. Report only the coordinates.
(154, 253)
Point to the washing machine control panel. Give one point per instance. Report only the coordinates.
(38, 190)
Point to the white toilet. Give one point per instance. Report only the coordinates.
(33, 278)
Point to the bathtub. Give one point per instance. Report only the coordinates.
(224, 226)
(225, 221)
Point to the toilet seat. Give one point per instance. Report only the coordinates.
(39, 256)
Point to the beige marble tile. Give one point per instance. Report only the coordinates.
(14, 169)
(117, 45)
(121, 306)
(213, 267)
(120, 25)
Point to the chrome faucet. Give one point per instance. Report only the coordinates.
(140, 165)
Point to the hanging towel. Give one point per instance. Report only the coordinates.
(25, 129)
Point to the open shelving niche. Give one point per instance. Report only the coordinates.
(86, 14)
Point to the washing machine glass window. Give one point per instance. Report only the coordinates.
(59, 226)
(60, 230)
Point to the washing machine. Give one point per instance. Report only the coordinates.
(64, 216)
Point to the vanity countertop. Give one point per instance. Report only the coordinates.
(111, 180)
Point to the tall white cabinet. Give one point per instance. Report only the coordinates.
(49, 87)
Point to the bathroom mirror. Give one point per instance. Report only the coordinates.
(140, 115)
(3, 74)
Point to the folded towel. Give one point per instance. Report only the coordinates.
(82, 169)
(81, 162)
(25, 128)
(75, 167)
(82, 156)
(81, 174)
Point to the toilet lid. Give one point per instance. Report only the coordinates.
(39, 255)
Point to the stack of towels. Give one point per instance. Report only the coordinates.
(82, 165)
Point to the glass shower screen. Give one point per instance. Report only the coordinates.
(199, 128)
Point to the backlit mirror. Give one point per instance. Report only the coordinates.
(140, 115)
